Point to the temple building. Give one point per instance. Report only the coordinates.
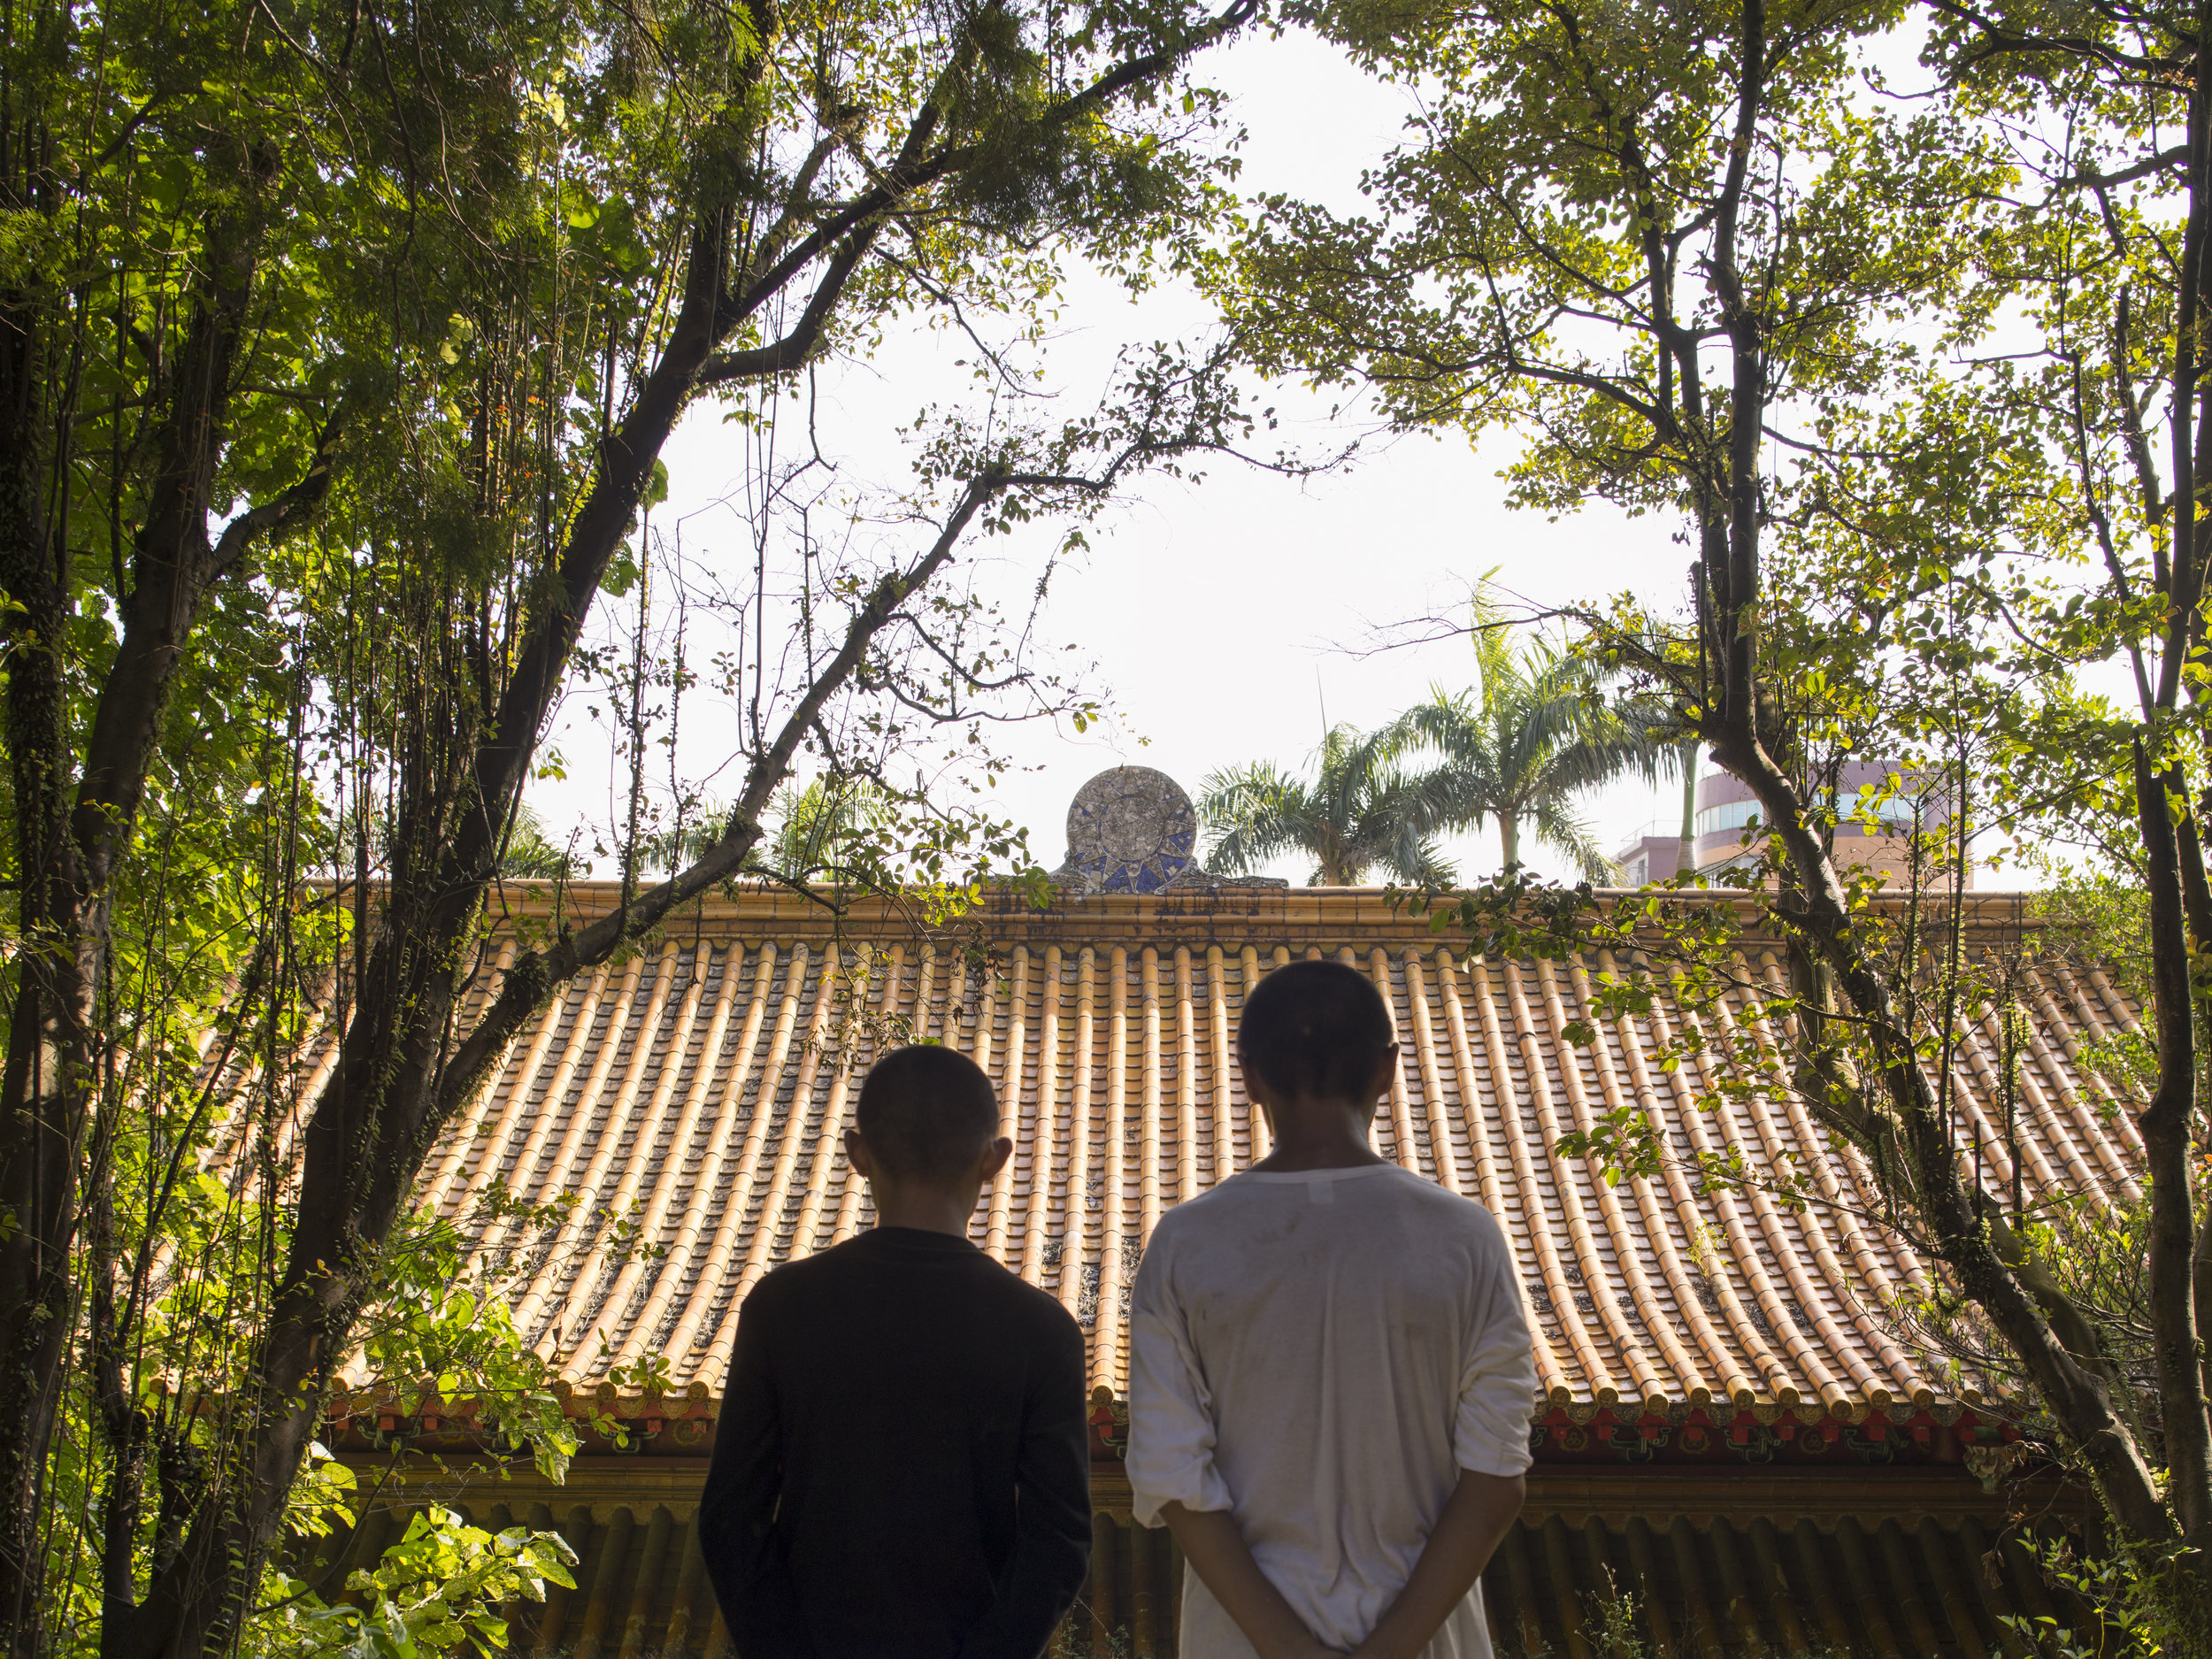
(1741, 1447)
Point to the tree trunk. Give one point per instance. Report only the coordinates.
(39, 1087)
(2174, 872)
(2165, 1125)
(399, 1081)
(1509, 833)
(1686, 856)
(72, 827)
(2070, 1389)
(405, 1065)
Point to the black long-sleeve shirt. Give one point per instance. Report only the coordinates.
(902, 1468)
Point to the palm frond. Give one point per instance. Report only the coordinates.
(1354, 764)
(1254, 813)
(1496, 667)
(1552, 823)
(1534, 732)
(1360, 807)
(1590, 763)
(1464, 788)
(1414, 858)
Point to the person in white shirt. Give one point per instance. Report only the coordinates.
(1330, 1370)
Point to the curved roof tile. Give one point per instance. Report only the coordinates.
(694, 1096)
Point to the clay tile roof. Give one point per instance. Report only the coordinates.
(697, 1089)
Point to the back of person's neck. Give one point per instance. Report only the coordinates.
(1296, 1161)
(1319, 1135)
(922, 1209)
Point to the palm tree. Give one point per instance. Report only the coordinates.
(1654, 726)
(1685, 755)
(533, 855)
(1360, 811)
(1533, 734)
(827, 829)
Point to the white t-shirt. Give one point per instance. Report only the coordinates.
(1321, 1354)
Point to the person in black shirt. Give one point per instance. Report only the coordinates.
(902, 1468)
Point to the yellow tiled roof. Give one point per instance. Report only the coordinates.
(696, 1090)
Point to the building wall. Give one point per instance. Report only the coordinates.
(1887, 1564)
(1726, 806)
(1648, 859)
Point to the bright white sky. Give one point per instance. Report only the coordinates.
(1219, 615)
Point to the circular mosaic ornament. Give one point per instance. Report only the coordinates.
(1130, 830)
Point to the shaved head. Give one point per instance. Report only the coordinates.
(1317, 1030)
(927, 1113)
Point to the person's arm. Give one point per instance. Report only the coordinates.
(1172, 1479)
(737, 1509)
(1490, 1446)
(1052, 1517)
(1219, 1555)
(1459, 1547)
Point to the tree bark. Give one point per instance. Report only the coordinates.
(404, 1067)
(2073, 1394)
(36, 1145)
(1686, 856)
(393, 1089)
(2165, 1127)
(400, 1078)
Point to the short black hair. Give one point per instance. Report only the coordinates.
(927, 1112)
(1316, 1029)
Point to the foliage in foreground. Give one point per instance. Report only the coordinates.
(338, 352)
(441, 1590)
